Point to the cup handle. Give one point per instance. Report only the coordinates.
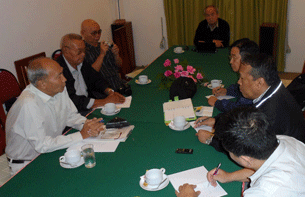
(62, 159)
(162, 170)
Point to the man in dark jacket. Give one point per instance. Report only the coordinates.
(213, 29)
(86, 88)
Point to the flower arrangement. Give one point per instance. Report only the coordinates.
(179, 69)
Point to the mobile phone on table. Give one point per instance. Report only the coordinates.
(184, 151)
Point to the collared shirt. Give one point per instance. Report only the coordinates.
(261, 96)
(35, 123)
(109, 69)
(79, 84)
(211, 27)
(283, 173)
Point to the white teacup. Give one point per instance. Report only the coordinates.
(143, 79)
(179, 122)
(178, 49)
(215, 83)
(154, 177)
(110, 108)
(71, 157)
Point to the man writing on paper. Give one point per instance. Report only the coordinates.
(259, 81)
(213, 29)
(36, 120)
(273, 163)
(102, 57)
(86, 87)
(239, 49)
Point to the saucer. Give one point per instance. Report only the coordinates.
(179, 52)
(149, 188)
(138, 82)
(172, 126)
(210, 86)
(64, 165)
(110, 114)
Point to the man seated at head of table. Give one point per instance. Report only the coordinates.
(260, 82)
(213, 29)
(239, 49)
(86, 87)
(36, 120)
(104, 59)
(273, 163)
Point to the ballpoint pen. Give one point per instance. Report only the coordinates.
(204, 119)
(217, 169)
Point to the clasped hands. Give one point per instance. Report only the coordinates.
(92, 128)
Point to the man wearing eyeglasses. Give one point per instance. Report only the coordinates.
(102, 57)
(213, 29)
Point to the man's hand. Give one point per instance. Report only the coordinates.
(218, 43)
(212, 100)
(115, 97)
(221, 176)
(92, 128)
(187, 190)
(115, 50)
(203, 135)
(204, 120)
(104, 48)
(219, 91)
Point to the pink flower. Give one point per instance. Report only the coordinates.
(178, 68)
(184, 73)
(190, 69)
(190, 76)
(176, 61)
(168, 73)
(206, 84)
(167, 63)
(199, 76)
(177, 74)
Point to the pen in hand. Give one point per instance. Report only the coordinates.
(217, 169)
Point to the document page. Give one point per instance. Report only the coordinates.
(178, 108)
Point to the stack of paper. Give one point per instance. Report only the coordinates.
(178, 108)
(197, 176)
(204, 111)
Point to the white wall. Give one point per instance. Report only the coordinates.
(296, 36)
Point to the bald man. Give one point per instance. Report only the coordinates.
(102, 57)
(36, 120)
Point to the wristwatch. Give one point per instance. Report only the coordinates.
(110, 90)
(208, 141)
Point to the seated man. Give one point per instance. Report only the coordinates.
(239, 49)
(36, 120)
(100, 56)
(260, 82)
(274, 164)
(86, 87)
(213, 29)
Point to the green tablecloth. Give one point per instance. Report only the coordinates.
(151, 144)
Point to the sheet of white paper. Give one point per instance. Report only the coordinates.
(204, 111)
(126, 104)
(197, 176)
(178, 108)
(221, 97)
(203, 127)
(98, 146)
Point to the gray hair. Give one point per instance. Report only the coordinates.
(36, 71)
(66, 39)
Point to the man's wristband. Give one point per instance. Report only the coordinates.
(208, 141)
(109, 90)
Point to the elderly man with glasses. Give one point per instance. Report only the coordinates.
(102, 57)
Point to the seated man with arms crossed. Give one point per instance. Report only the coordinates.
(86, 87)
(36, 120)
(239, 49)
(98, 54)
(260, 82)
(273, 163)
(213, 29)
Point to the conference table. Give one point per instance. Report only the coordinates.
(151, 144)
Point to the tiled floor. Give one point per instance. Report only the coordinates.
(4, 170)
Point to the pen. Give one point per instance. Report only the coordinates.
(217, 169)
(204, 119)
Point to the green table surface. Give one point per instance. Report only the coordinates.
(151, 145)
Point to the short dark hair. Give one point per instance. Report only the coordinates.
(246, 47)
(245, 131)
(262, 66)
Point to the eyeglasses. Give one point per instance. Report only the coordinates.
(94, 33)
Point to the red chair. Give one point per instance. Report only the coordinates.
(9, 89)
(56, 54)
(21, 66)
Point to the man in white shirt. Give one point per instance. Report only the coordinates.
(36, 120)
(274, 164)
